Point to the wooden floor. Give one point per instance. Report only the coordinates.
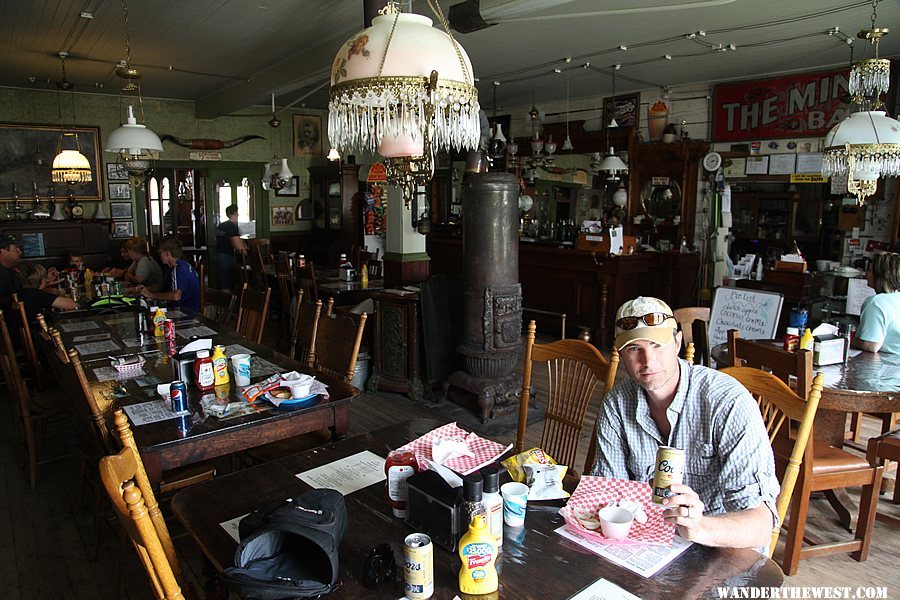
(50, 548)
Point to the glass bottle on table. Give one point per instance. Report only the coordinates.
(399, 466)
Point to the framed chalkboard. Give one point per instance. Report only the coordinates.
(26, 156)
(753, 313)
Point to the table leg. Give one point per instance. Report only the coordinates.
(842, 504)
(341, 422)
(153, 468)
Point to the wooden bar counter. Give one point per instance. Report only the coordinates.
(587, 287)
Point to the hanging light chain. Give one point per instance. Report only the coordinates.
(127, 37)
(874, 16)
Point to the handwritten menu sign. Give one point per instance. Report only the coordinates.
(753, 313)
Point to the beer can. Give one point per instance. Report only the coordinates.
(169, 329)
(178, 393)
(669, 470)
(418, 566)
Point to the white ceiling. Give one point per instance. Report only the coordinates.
(227, 55)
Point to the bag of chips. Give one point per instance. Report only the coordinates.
(534, 456)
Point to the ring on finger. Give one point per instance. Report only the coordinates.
(688, 512)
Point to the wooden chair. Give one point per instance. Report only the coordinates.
(337, 343)
(253, 310)
(287, 290)
(243, 267)
(881, 448)
(35, 410)
(306, 279)
(574, 369)
(694, 323)
(217, 305)
(259, 255)
(689, 352)
(138, 511)
(31, 357)
(779, 405)
(830, 469)
(303, 333)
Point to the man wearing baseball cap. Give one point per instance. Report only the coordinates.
(10, 253)
(729, 490)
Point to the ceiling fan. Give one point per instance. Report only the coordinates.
(469, 16)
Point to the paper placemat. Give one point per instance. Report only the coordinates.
(78, 326)
(199, 331)
(97, 347)
(148, 412)
(484, 451)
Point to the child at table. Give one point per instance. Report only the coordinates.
(184, 284)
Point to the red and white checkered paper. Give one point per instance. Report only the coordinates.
(593, 493)
(484, 451)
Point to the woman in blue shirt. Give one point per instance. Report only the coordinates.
(879, 320)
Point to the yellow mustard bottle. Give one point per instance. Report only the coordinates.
(478, 551)
(220, 366)
(159, 320)
(806, 340)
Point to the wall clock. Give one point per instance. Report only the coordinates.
(712, 161)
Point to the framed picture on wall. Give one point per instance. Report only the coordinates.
(307, 135)
(121, 210)
(116, 172)
(27, 151)
(292, 189)
(282, 216)
(119, 191)
(123, 229)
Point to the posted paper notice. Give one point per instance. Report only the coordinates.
(347, 474)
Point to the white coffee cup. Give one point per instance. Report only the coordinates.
(615, 522)
(515, 501)
(240, 364)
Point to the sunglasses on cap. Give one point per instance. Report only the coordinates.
(652, 319)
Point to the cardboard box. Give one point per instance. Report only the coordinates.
(600, 242)
(828, 350)
(783, 265)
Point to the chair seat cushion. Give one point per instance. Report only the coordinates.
(828, 459)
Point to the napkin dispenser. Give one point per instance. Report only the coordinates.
(435, 508)
(828, 350)
(183, 366)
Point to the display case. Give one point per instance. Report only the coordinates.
(334, 192)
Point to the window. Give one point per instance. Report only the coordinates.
(242, 195)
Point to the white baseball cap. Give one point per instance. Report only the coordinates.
(644, 318)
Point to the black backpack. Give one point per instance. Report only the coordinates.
(289, 549)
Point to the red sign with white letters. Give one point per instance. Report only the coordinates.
(804, 105)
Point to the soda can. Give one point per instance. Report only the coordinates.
(184, 423)
(169, 329)
(418, 566)
(669, 470)
(178, 393)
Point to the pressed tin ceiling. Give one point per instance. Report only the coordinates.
(227, 55)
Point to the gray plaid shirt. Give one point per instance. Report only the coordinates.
(729, 461)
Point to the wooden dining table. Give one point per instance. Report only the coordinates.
(176, 442)
(534, 562)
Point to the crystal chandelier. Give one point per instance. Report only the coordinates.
(414, 96)
(866, 145)
(69, 166)
(135, 144)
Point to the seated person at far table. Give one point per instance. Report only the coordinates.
(729, 490)
(76, 261)
(184, 284)
(143, 269)
(117, 269)
(879, 319)
(33, 277)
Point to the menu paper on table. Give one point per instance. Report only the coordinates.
(644, 559)
(232, 527)
(199, 331)
(97, 347)
(78, 326)
(347, 475)
(232, 349)
(148, 412)
(603, 589)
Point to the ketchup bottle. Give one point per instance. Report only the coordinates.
(204, 374)
(398, 467)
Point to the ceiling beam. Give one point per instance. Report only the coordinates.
(290, 74)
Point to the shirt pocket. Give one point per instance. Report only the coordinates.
(701, 474)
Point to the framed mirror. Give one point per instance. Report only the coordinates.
(661, 198)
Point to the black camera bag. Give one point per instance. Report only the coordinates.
(290, 549)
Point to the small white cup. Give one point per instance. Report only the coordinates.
(240, 364)
(615, 522)
(515, 501)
